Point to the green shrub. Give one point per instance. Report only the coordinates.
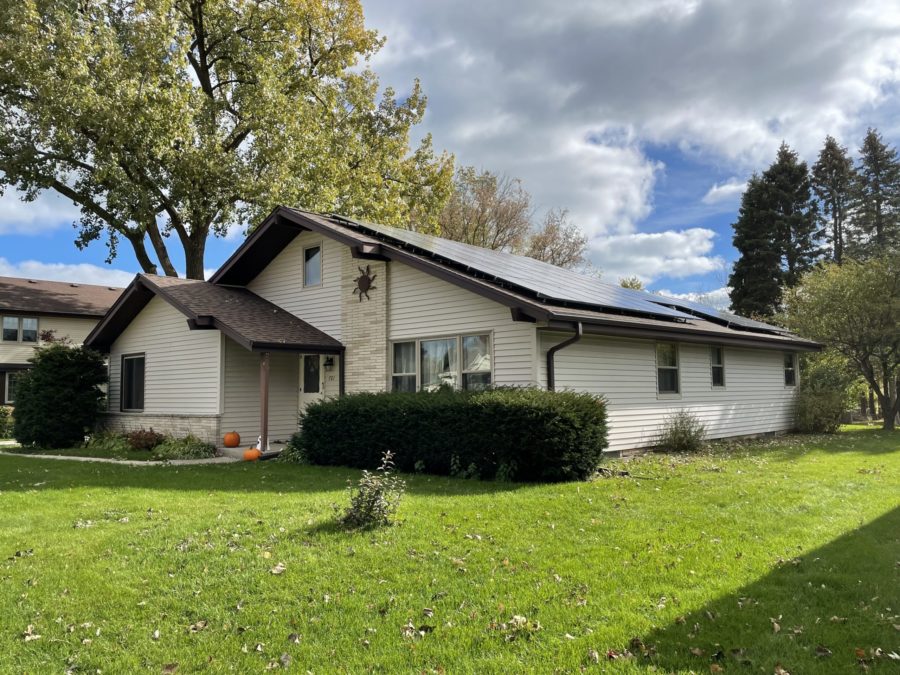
(376, 497)
(511, 434)
(682, 432)
(189, 447)
(58, 400)
(6, 421)
(826, 391)
(109, 442)
(144, 439)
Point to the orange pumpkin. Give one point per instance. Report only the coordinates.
(251, 454)
(232, 439)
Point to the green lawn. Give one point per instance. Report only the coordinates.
(702, 555)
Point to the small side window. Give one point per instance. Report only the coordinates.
(10, 329)
(132, 381)
(29, 330)
(312, 266)
(667, 368)
(717, 366)
(790, 370)
(403, 377)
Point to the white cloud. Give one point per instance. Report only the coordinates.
(727, 191)
(569, 96)
(651, 255)
(78, 273)
(717, 298)
(48, 212)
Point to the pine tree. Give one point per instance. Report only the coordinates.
(833, 178)
(876, 220)
(755, 280)
(794, 212)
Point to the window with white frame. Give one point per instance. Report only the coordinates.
(12, 381)
(667, 368)
(459, 362)
(19, 329)
(790, 370)
(312, 266)
(717, 366)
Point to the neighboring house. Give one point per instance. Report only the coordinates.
(33, 311)
(312, 306)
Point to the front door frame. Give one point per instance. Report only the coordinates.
(304, 398)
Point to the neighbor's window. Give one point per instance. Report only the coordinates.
(717, 361)
(428, 365)
(667, 368)
(29, 330)
(790, 370)
(12, 381)
(10, 329)
(312, 266)
(404, 374)
(133, 382)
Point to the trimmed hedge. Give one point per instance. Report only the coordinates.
(506, 434)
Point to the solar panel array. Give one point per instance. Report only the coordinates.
(713, 313)
(545, 280)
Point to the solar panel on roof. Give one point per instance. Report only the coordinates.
(712, 312)
(547, 281)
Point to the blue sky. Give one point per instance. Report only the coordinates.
(643, 119)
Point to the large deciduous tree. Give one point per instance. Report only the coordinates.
(177, 119)
(855, 309)
(876, 216)
(833, 180)
(494, 211)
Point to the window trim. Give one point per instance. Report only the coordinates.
(670, 395)
(793, 369)
(123, 358)
(20, 329)
(459, 358)
(713, 365)
(321, 265)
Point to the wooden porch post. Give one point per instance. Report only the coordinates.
(264, 402)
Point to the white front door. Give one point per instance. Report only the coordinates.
(312, 382)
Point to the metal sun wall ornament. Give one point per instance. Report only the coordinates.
(364, 283)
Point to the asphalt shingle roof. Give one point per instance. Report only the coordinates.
(56, 297)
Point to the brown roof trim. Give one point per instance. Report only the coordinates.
(134, 298)
(612, 329)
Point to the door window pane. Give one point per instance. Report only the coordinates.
(439, 364)
(311, 374)
(10, 329)
(312, 266)
(133, 383)
(29, 330)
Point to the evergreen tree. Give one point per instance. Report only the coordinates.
(876, 219)
(755, 280)
(833, 179)
(793, 210)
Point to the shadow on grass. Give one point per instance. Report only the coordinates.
(29, 473)
(809, 615)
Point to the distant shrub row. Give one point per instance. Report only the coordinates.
(504, 434)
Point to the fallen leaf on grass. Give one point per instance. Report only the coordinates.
(29, 634)
(716, 668)
(155, 635)
(170, 668)
(780, 671)
(197, 627)
(279, 568)
(696, 651)
(294, 638)
(593, 656)
(822, 651)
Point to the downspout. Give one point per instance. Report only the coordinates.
(551, 367)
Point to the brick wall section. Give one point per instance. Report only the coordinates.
(204, 427)
(364, 326)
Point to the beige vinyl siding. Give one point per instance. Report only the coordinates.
(74, 329)
(241, 393)
(422, 306)
(753, 401)
(181, 367)
(281, 282)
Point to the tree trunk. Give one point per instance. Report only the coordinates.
(193, 257)
(872, 411)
